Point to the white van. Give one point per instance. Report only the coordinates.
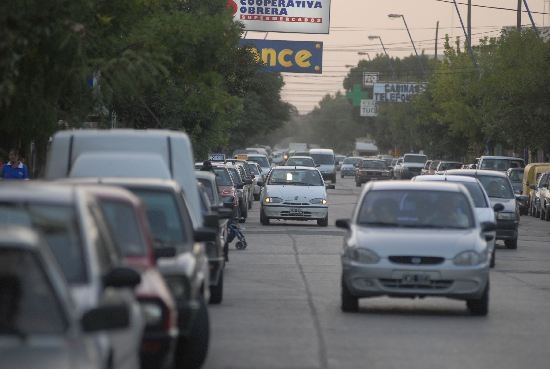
(129, 153)
(326, 162)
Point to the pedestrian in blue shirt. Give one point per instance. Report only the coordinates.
(15, 169)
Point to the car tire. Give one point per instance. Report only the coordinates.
(192, 350)
(244, 212)
(264, 220)
(493, 258)
(541, 213)
(250, 202)
(350, 303)
(323, 222)
(480, 307)
(216, 292)
(511, 244)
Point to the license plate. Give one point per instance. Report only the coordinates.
(421, 279)
(296, 211)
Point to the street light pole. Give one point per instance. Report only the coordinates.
(410, 37)
(385, 52)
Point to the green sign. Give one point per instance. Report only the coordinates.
(356, 95)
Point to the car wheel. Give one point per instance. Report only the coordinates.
(541, 213)
(216, 292)
(250, 201)
(350, 303)
(480, 307)
(493, 258)
(511, 244)
(264, 220)
(323, 222)
(191, 350)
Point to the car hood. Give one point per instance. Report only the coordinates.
(296, 193)
(417, 242)
(509, 204)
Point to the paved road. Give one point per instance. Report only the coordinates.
(281, 307)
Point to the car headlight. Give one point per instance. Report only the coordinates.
(470, 258)
(364, 256)
(506, 216)
(318, 201)
(273, 200)
(151, 312)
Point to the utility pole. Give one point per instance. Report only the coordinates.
(436, 38)
(518, 23)
(469, 23)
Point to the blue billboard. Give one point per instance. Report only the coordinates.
(287, 56)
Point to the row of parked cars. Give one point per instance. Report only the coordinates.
(112, 260)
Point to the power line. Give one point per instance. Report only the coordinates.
(489, 7)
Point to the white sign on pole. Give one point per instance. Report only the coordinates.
(368, 108)
(397, 92)
(370, 78)
(292, 16)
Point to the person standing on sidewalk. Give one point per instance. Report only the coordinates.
(14, 168)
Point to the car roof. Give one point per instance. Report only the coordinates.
(444, 178)
(476, 172)
(410, 185)
(205, 175)
(294, 167)
(300, 157)
(499, 157)
(373, 159)
(126, 182)
(321, 151)
(37, 191)
(411, 153)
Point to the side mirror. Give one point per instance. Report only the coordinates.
(498, 207)
(260, 183)
(203, 234)
(488, 226)
(211, 220)
(165, 252)
(330, 186)
(106, 318)
(343, 223)
(121, 277)
(225, 213)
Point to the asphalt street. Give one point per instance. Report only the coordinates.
(282, 307)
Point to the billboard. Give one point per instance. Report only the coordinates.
(397, 92)
(287, 56)
(292, 16)
(368, 108)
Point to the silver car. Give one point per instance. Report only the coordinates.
(32, 288)
(409, 239)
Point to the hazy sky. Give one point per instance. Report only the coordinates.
(352, 21)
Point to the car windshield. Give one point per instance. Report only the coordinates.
(373, 164)
(124, 227)
(434, 164)
(59, 227)
(254, 169)
(301, 162)
(264, 163)
(351, 161)
(415, 209)
(449, 166)
(501, 164)
(223, 178)
(164, 218)
(497, 187)
(28, 303)
(516, 175)
(474, 189)
(415, 159)
(323, 159)
(208, 188)
(296, 177)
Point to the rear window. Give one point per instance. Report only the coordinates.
(323, 159)
(264, 163)
(223, 177)
(373, 164)
(351, 160)
(207, 185)
(254, 169)
(415, 159)
(497, 187)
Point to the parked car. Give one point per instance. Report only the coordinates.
(499, 163)
(426, 169)
(531, 175)
(262, 161)
(40, 325)
(227, 189)
(409, 239)
(534, 199)
(499, 189)
(515, 175)
(349, 166)
(78, 237)
(482, 204)
(371, 170)
(411, 166)
(294, 193)
(250, 179)
(544, 199)
(242, 187)
(447, 165)
(339, 159)
(300, 161)
(326, 162)
(257, 172)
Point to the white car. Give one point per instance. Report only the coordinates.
(295, 193)
(484, 211)
(408, 239)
